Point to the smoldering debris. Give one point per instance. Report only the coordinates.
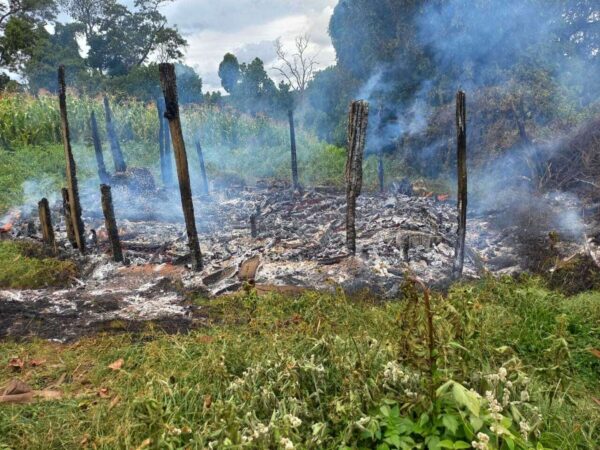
(299, 244)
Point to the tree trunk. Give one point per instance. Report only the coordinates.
(357, 131)
(169, 86)
(73, 190)
(461, 157)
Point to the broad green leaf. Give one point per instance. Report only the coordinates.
(446, 443)
(462, 444)
(466, 398)
(450, 423)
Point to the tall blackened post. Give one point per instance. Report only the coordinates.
(295, 183)
(461, 157)
(380, 172)
(160, 108)
(73, 190)
(167, 157)
(202, 167)
(68, 219)
(115, 147)
(46, 225)
(111, 223)
(168, 82)
(357, 130)
(102, 173)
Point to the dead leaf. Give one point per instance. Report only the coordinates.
(48, 394)
(16, 392)
(103, 393)
(146, 443)
(248, 269)
(117, 364)
(37, 362)
(595, 352)
(596, 400)
(207, 401)
(16, 363)
(205, 339)
(84, 441)
(114, 402)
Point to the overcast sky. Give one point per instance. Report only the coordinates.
(248, 28)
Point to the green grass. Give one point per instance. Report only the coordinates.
(320, 358)
(25, 266)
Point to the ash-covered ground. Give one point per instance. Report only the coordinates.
(299, 244)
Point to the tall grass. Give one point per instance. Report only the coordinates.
(236, 146)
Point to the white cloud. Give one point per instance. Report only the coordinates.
(248, 28)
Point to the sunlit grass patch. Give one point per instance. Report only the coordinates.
(25, 266)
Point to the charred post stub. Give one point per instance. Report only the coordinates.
(357, 130)
(295, 183)
(202, 167)
(73, 190)
(102, 173)
(111, 223)
(461, 157)
(253, 229)
(168, 82)
(68, 219)
(46, 225)
(115, 147)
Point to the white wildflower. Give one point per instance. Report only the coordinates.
(294, 421)
(483, 437)
(509, 384)
(506, 397)
(262, 429)
(525, 429)
(524, 396)
(502, 374)
(392, 372)
(287, 444)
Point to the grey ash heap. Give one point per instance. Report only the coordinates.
(299, 245)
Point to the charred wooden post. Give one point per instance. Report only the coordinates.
(68, 219)
(46, 225)
(168, 82)
(73, 190)
(295, 183)
(102, 173)
(380, 172)
(357, 130)
(202, 167)
(167, 157)
(253, 228)
(461, 157)
(115, 147)
(160, 108)
(111, 223)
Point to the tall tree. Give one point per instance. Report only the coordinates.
(299, 67)
(229, 72)
(121, 38)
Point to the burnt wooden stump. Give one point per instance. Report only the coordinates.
(168, 83)
(461, 157)
(102, 173)
(357, 130)
(72, 187)
(111, 223)
(202, 167)
(46, 225)
(293, 150)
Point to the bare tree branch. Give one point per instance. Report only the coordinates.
(298, 68)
